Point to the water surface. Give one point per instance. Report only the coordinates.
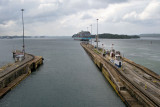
(68, 77)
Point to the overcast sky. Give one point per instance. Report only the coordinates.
(66, 17)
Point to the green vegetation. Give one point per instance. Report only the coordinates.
(115, 36)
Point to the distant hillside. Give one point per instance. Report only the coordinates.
(115, 36)
(32, 37)
(150, 35)
(15, 37)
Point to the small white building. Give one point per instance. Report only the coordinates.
(19, 58)
(117, 60)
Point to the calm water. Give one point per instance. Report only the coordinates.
(68, 77)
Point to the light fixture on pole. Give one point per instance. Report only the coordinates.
(91, 29)
(23, 34)
(97, 34)
(91, 33)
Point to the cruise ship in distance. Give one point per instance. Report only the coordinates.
(82, 36)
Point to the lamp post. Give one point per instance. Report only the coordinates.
(97, 34)
(91, 29)
(91, 33)
(23, 33)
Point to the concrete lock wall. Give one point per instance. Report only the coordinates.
(18, 72)
(12, 76)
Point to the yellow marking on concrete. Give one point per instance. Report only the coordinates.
(112, 84)
(154, 81)
(145, 86)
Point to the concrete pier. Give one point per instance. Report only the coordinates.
(11, 75)
(135, 84)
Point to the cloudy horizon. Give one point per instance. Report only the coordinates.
(67, 17)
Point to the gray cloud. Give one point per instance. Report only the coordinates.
(51, 16)
(10, 9)
(86, 16)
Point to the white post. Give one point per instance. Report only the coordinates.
(23, 34)
(97, 34)
(91, 33)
